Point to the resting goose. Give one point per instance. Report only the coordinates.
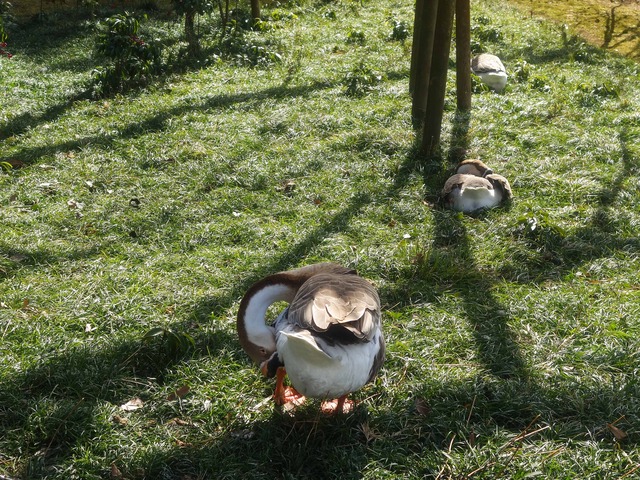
(469, 193)
(473, 167)
(329, 338)
(490, 70)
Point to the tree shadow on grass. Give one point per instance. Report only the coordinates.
(55, 402)
(158, 122)
(548, 252)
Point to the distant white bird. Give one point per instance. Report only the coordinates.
(490, 70)
(469, 193)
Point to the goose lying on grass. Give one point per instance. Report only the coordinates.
(329, 339)
(474, 187)
(490, 70)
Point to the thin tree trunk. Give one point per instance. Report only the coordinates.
(255, 9)
(417, 26)
(463, 55)
(438, 77)
(422, 54)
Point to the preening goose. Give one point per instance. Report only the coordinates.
(329, 338)
(469, 193)
(490, 70)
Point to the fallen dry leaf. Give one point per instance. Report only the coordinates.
(368, 432)
(131, 405)
(119, 420)
(617, 433)
(178, 421)
(179, 393)
(75, 205)
(115, 471)
(422, 407)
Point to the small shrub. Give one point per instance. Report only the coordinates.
(400, 30)
(481, 30)
(540, 83)
(356, 36)
(591, 95)
(237, 49)
(477, 85)
(134, 60)
(522, 72)
(361, 80)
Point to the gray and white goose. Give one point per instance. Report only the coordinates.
(329, 339)
(469, 193)
(490, 70)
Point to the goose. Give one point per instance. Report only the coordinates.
(469, 193)
(473, 166)
(328, 340)
(490, 70)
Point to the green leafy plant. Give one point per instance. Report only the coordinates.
(237, 49)
(400, 30)
(133, 59)
(361, 80)
(356, 36)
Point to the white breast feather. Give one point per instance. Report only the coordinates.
(327, 372)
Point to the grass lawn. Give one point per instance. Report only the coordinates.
(513, 336)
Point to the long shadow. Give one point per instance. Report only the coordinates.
(600, 237)
(118, 370)
(155, 123)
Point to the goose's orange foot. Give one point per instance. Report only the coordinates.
(339, 405)
(285, 395)
(291, 396)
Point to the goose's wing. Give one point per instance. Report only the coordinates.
(486, 63)
(462, 181)
(328, 300)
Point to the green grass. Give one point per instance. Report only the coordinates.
(512, 335)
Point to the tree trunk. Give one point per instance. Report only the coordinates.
(417, 26)
(421, 58)
(463, 55)
(190, 31)
(438, 77)
(255, 9)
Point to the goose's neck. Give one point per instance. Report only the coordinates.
(253, 309)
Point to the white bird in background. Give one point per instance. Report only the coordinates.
(490, 70)
(329, 339)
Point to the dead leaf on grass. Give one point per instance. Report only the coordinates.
(132, 405)
(179, 422)
(369, 434)
(422, 407)
(119, 420)
(115, 472)
(179, 393)
(618, 433)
